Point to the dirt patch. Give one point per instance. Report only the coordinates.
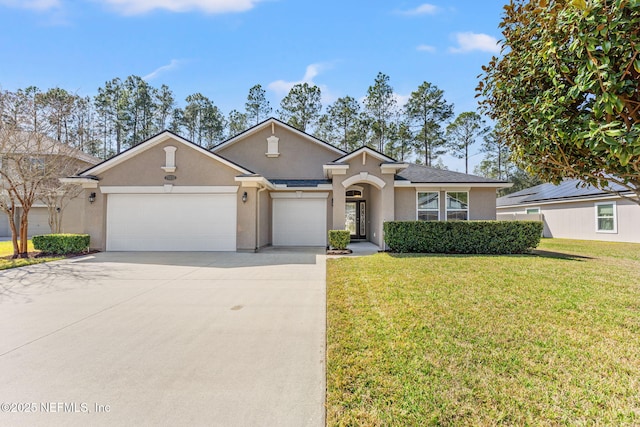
(339, 251)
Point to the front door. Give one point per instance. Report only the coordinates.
(355, 219)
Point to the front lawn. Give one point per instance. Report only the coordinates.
(6, 250)
(542, 339)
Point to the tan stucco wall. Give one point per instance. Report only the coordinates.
(246, 238)
(405, 204)
(265, 219)
(193, 168)
(577, 220)
(299, 158)
(482, 204)
(73, 215)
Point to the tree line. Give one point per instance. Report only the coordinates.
(126, 112)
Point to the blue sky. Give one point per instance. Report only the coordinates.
(223, 47)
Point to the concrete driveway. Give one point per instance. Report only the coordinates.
(165, 339)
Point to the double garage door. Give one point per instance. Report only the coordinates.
(171, 222)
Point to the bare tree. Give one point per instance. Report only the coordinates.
(31, 164)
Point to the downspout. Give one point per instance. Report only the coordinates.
(262, 188)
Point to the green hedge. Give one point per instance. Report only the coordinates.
(61, 244)
(463, 237)
(339, 239)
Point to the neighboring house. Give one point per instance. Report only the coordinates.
(575, 212)
(39, 213)
(270, 185)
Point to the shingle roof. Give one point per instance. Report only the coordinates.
(567, 189)
(426, 174)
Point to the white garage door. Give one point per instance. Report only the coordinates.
(171, 222)
(299, 222)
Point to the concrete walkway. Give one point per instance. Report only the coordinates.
(216, 339)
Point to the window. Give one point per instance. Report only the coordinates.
(530, 211)
(428, 206)
(356, 194)
(606, 217)
(457, 205)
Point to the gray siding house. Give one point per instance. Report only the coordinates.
(573, 211)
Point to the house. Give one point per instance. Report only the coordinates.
(42, 152)
(270, 185)
(573, 211)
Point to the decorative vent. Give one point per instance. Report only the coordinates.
(170, 159)
(272, 146)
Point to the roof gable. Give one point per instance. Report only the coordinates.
(273, 122)
(152, 142)
(362, 150)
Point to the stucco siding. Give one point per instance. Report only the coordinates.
(482, 204)
(192, 168)
(299, 157)
(265, 219)
(247, 211)
(577, 220)
(405, 201)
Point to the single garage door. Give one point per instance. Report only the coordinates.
(171, 222)
(299, 222)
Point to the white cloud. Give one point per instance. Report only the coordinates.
(401, 100)
(282, 87)
(423, 9)
(135, 7)
(155, 73)
(39, 5)
(468, 42)
(426, 48)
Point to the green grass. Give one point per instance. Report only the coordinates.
(6, 249)
(549, 339)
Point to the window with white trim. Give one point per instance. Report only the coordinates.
(530, 211)
(428, 206)
(457, 205)
(606, 217)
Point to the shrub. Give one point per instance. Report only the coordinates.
(339, 239)
(61, 244)
(463, 237)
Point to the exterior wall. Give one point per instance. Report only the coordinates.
(406, 201)
(375, 224)
(247, 217)
(299, 158)
(192, 168)
(265, 219)
(73, 215)
(482, 204)
(577, 220)
(144, 169)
